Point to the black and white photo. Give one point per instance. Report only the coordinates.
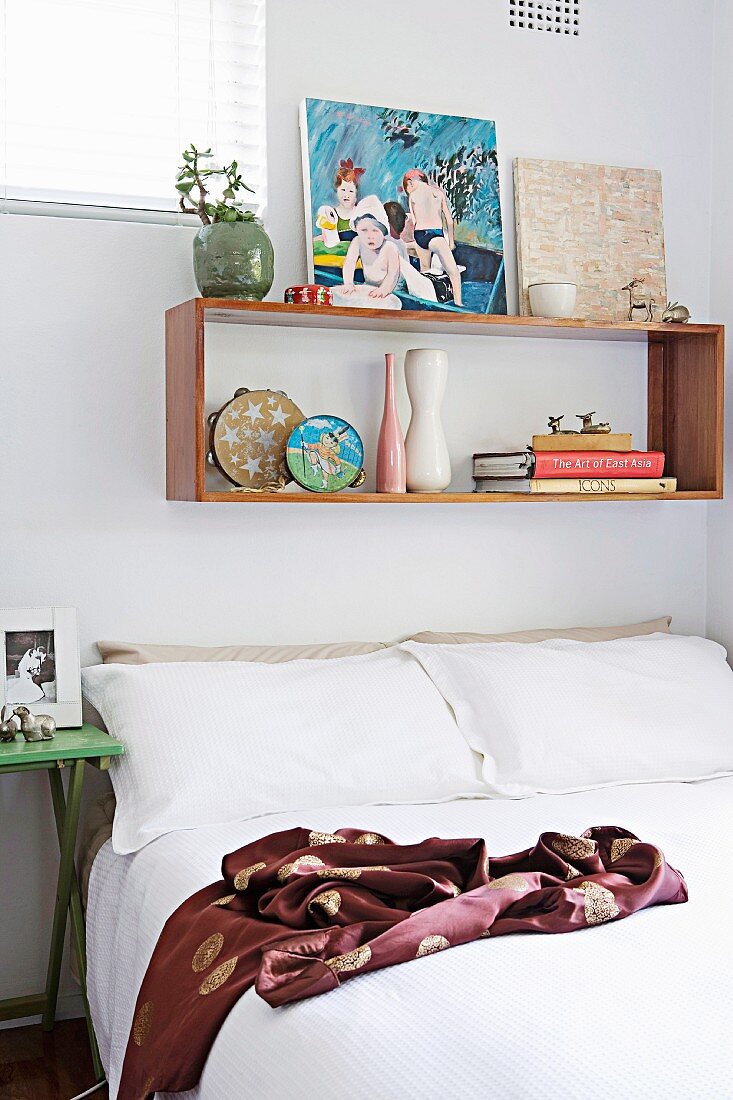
(39, 658)
(30, 666)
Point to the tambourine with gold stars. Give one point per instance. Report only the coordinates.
(248, 437)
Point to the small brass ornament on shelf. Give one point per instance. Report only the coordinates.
(674, 313)
(589, 428)
(639, 300)
(34, 727)
(553, 424)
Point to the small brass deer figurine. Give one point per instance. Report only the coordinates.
(554, 425)
(639, 300)
(589, 428)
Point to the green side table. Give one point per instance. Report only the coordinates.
(73, 749)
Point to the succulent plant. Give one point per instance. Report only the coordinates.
(192, 174)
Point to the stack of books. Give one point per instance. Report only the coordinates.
(592, 464)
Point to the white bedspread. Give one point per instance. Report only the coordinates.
(641, 1009)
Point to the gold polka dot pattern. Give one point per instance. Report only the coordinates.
(207, 952)
(572, 872)
(217, 977)
(352, 960)
(620, 846)
(600, 903)
(315, 838)
(241, 879)
(574, 847)
(370, 838)
(431, 944)
(302, 861)
(517, 883)
(329, 901)
(350, 872)
(143, 1023)
(340, 872)
(225, 900)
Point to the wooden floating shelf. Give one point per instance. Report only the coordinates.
(684, 402)
(438, 498)
(222, 311)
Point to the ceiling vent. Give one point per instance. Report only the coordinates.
(552, 18)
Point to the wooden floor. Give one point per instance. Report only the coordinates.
(38, 1065)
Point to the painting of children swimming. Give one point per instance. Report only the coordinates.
(325, 454)
(402, 208)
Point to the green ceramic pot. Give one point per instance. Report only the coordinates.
(233, 260)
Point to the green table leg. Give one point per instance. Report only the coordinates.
(63, 888)
(78, 934)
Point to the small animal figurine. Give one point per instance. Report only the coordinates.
(589, 428)
(35, 727)
(676, 314)
(554, 425)
(638, 300)
(8, 726)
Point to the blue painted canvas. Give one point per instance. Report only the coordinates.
(402, 208)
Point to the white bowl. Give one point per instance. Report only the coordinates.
(552, 299)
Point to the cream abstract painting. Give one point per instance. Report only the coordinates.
(594, 224)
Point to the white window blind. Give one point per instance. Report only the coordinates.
(101, 96)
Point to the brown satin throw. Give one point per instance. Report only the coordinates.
(300, 912)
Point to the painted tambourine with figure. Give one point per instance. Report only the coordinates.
(325, 454)
(248, 437)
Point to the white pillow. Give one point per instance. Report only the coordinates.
(560, 715)
(216, 742)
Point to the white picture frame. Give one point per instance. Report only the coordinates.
(63, 703)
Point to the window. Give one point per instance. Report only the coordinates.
(100, 97)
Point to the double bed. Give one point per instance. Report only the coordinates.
(497, 738)
(638, 1008)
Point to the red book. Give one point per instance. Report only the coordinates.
(599, 464)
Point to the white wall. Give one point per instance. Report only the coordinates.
(82, 448)
(720, 515)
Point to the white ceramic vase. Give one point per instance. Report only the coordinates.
(428, 463)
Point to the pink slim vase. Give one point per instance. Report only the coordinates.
(391, 462)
